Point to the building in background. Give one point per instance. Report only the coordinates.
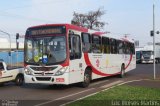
(136, 43)
(5, 45)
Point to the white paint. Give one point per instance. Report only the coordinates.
(64, 97)
(111, 84)
(98, 82)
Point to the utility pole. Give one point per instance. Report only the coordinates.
(153, 33)
(154, 65)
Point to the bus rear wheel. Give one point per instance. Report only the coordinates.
(87, 79)
(122, 74)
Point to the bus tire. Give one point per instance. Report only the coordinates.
(1, 84)
(122, 74)
(19, 80)
(87, 79)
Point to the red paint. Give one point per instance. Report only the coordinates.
(99, 33)
(66, 63)
(59, 79)
(77, 28)
(25, 65)
(129, 61)
(68, 26)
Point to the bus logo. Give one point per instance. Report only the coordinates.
(43, 73)
(97, 62)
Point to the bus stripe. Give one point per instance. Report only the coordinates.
(94, 69)
(129, 61)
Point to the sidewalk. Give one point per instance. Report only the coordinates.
(146, 83)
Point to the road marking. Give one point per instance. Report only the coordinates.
(44, 103)
(111, 84)
(96, 83)
(107, 85)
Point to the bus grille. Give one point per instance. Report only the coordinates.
(43, 78)
(146, 58)
(43, 68)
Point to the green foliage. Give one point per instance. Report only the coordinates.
(135, 94)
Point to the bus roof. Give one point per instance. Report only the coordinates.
(82, 29)
(68, 26)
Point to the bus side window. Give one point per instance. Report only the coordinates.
(133, 47)
(96, 44)
(128, 48)
(117, 46)
(120, 47)
(104, 48)
(124, 48)
(113, 46)
(108, 45)
(105, 45)
(86, 43)
(75, 47)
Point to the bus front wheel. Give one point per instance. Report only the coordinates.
(87, 79)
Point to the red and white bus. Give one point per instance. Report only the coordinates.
(66, 54)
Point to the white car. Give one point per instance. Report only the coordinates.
(8, 74)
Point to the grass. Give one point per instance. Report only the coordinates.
(135, 94)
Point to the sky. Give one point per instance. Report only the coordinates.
(131, 17)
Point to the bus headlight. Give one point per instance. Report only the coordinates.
(61, 71)
(27, 71)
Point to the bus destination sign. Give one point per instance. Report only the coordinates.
(47, 31)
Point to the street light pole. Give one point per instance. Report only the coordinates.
(9, 43)
(154, 66)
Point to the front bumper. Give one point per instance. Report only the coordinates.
(48, 80)
(147, 61)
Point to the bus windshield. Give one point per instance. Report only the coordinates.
(147, 53)
(45, 50)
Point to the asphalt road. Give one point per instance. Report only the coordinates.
(43, 95)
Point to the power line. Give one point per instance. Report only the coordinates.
(25, 17)
(4, 13)
(28, 6)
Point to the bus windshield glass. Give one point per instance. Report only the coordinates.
(45, 50)
(147, 53)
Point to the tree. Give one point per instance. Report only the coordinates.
(89, 20)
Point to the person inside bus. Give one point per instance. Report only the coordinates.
(50, 54)
(58, 47)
